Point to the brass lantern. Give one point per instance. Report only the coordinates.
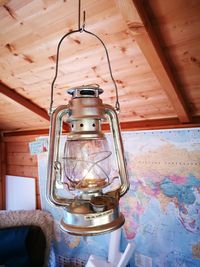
(84, 168)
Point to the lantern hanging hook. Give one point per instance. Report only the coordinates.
(79, 15)
(79, 18)
(80, 30)
(84, 15)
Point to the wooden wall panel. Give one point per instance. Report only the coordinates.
(19, 162)
(2, 173)
(31, 171)
(1, 189)
(19, 158)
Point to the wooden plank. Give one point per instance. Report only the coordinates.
(20, 138)
(2, 173)
(149, 44)
(155, 124)
(38, 202)
(37, 187)
(30, 135)
(18, 147)
(20, 170)
(128, 11)
(20, 162)
(15, 116)
(164, 76)
(23, 101)
(1, 195)
(26, 103)
(1, 189)
(21, 159)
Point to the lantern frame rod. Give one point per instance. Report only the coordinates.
(55, 129)
(115, 129)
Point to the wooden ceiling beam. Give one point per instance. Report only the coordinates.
(135, 16)
(5, 90)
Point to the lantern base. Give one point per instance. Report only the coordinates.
(93, 229)
(96, 216)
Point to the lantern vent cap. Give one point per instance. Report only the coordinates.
(85, 91)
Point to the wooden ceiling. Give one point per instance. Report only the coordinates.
(154, 48)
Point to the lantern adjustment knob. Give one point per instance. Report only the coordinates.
(98, 203)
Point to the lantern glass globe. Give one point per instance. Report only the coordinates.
(87, 164)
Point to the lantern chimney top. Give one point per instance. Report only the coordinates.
(85, 91)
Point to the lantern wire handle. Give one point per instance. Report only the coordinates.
(80, 30)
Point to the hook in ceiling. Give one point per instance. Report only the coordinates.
(81, 29)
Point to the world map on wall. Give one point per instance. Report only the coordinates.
(162, 207)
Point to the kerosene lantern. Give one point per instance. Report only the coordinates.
(83, 168)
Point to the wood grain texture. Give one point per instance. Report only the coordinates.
(31, 30)
(21, 159)
(23, 101)
(15, 116)
(1, 177)
(2, 172)
(19, 162)
(148, 42)
(22, 170)
(20, 138)
(177, 24)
